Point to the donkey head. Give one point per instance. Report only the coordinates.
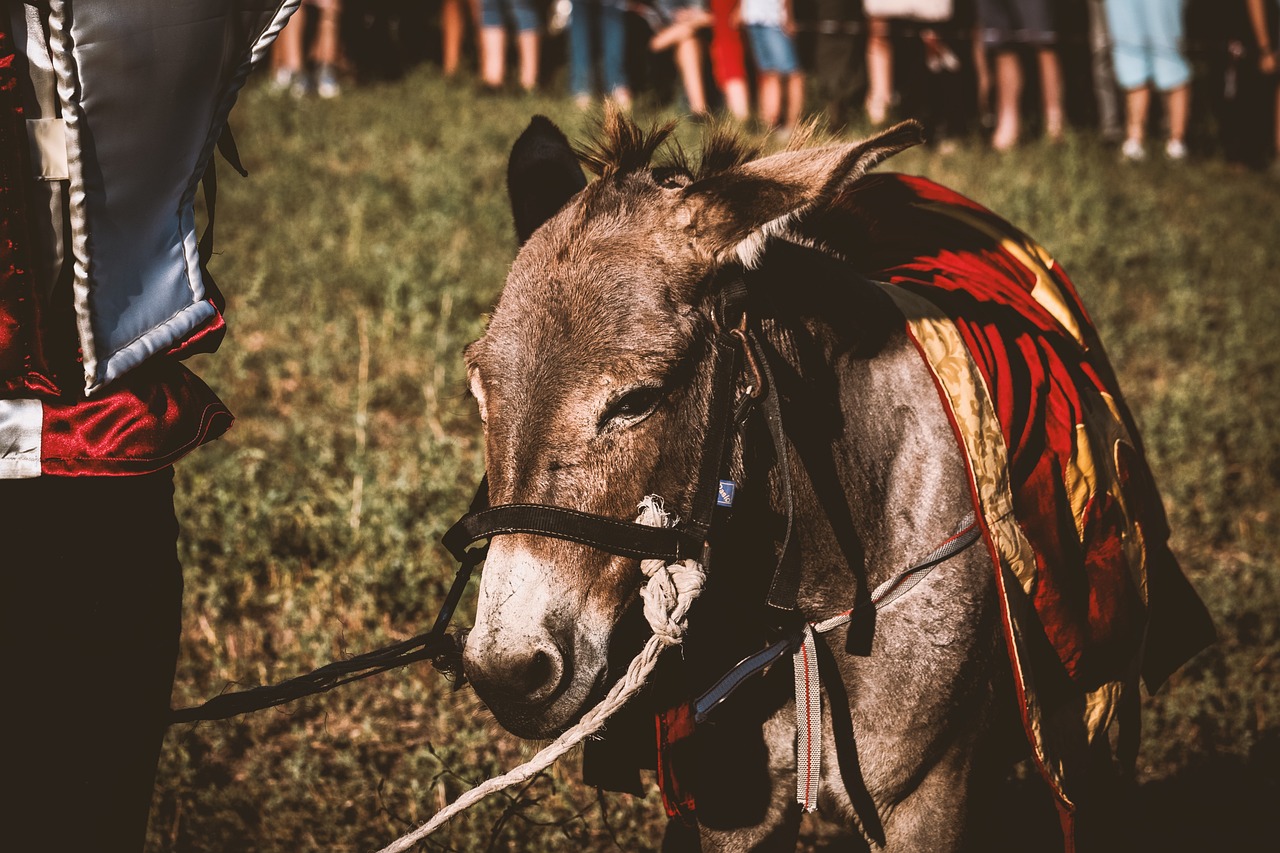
(593, 376)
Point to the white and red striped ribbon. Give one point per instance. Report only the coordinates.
(808, 721)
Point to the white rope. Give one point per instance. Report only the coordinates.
(667, 596)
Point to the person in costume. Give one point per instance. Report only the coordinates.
(110, 111)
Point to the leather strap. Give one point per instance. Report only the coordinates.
(624, 538)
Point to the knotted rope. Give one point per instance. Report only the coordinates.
(667, 594)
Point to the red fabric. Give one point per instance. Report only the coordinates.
(205, 339)
(22, 367)
(1090, 609)
(151, 418)
(674, 726)
(727, 60)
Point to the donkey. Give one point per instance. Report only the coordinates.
(593, 381)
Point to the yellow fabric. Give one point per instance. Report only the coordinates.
(1064, 731)
(967, 396)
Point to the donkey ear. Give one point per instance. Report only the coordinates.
(733, 213)
(542, 174)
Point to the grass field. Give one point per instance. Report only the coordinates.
(363, 254)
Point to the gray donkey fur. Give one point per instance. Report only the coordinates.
(593, 383)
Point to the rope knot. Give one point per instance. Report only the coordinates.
(667, 596)
(672, 587)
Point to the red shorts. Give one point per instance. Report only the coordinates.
(727, 62)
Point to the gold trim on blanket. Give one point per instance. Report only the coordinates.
(966, 394)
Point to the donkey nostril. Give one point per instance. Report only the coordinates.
(526, 676)
(539, 671)
(542, 675)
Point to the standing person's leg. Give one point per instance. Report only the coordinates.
(581, 42)
(1133, 71)
(528, 42)
(768, 81)
(879, 70)
(1266, 39)
(689, 61)
(1170, 72)
(1000, 30)
(1104, 73)
(770, 98)
(838, 62)
(945, 91)
(286, 56)
(477, 18)
(327, 48)
(1036, 21)
(1136, 102)
(91, 610)
(1008, 100)
(982, 78)
(787, 64)
(451, 29)
(1178, 105)
(727, 61)
(493, 44)
(795, 98)
(613, 50)
(1051, 92)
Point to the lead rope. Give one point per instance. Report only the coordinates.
(668, 593)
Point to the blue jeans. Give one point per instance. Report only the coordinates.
(595, 22)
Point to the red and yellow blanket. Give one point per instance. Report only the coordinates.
(1092, 596)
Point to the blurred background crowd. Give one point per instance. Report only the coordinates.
(1154, 78)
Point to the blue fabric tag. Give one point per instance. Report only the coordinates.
(724, 494)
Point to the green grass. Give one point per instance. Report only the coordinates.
(362, 256)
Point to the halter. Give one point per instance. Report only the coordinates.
(734, 348)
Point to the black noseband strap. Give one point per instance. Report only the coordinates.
(623, 538)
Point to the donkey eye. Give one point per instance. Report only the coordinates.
(632, 406)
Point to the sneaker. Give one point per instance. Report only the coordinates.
(937, 56)
(1133, 150)
(1004, 140)
(327, 82)
(1175, 149)
(280, 80)
(288, 80)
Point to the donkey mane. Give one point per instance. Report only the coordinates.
(619, 147)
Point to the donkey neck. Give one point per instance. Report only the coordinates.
(876, 473)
